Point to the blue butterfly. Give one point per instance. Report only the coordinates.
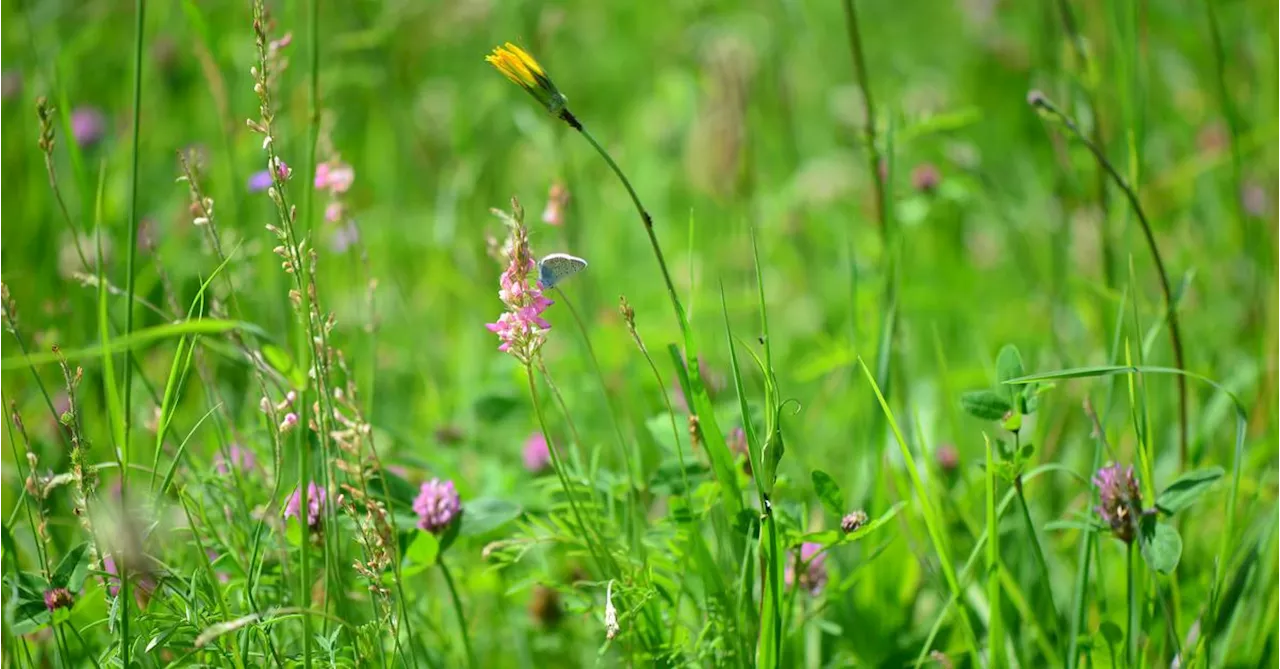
(557, 267)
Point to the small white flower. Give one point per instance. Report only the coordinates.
(610, 614)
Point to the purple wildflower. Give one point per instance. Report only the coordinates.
(143, 583)
(242, 459)
(1119, 500)
(947, 458)
(58, 598)
(925, 177)
(814, 576)
(1255, 200)
(852, 522)
(437, 504)
(316, 497)
(10, 84)
(259, 181)
(223, 577)
(88, 125)
(344, 237)
(536, 453)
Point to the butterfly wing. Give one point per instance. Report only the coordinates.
(557, 267)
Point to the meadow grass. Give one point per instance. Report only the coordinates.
(932, 334)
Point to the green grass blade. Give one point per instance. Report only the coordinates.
(931, 521)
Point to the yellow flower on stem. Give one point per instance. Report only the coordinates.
(521, 68)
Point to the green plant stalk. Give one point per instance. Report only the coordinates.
(604, 389)
(995, 626)
(332, 553)
(1175, 332)
(1235, 128)
(557, 463)
(41, 554)
(457, 610)
(932, 523)
(644, 218)
(977, 551)
(1132, 612)
(869, 113)
(1079, 597)
(1041, 563)
(140, 7)
(651, 617)
(730, 489)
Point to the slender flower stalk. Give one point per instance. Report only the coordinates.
(457, 610)
(869, 114)
(140, 8)
(525, 71)
(1043, 104)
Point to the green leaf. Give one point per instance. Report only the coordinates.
(985, 404)
(486, 514)
(837, 537)
(401, 491)
(828, 492)
(25, 609)
(1111, 632)
(1184, 491)
(32, 623)
(450, 533)
(1161, 545)
(424, 549)
(668, 480)
(1055, 525)
(747, 523)
(1009, 366)
(71, 571)
(493, 407)
(280, 360)
(139, 339)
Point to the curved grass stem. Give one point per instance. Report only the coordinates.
(140, 11)
(457, 610)
(1042, 103)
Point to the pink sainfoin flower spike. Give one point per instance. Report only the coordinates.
(1119, 500)
(814, 576)
(241, 458)
(437, 504)
(315, 504)
(536, 453)
(521, 328)
(334, 176)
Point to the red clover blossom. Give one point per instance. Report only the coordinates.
(1119, 500)
(437, 504)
